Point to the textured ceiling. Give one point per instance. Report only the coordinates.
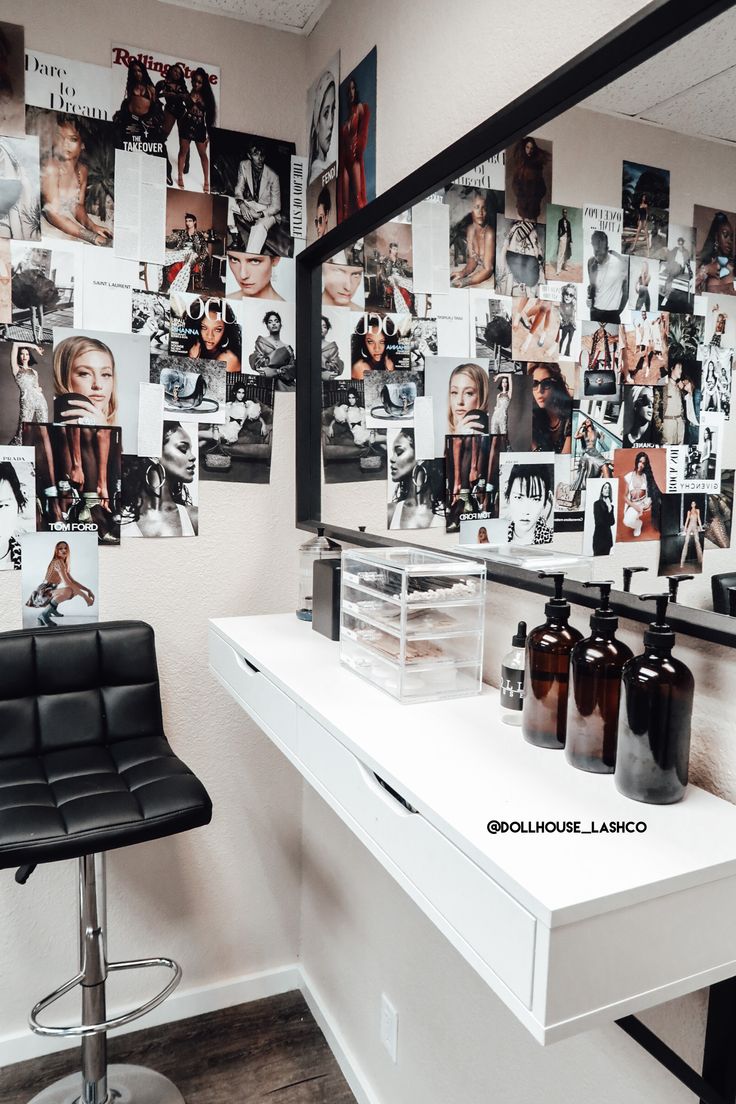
(297, 16)
(689, 88)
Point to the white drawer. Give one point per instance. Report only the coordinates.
(496, 927)
(267, 705)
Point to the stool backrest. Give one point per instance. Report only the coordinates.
(719, 588)
(77, 686)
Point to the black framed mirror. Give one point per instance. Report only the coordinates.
(618, 129)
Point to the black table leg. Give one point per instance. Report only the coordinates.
(719, 1054)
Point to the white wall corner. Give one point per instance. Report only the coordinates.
(344, 1055)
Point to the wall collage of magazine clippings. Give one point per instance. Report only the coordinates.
(516, 370)
(147, 297)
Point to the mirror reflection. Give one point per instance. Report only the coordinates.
(536, 361)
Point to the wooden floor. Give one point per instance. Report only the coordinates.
(268, 1050)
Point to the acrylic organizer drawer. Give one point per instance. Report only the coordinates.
(431, 623)
(409, 682)
(477, 915)
(267, 704)
(418, 651)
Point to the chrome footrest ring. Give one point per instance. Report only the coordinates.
(115, 1021)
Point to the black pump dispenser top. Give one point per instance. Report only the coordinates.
(519, 638)
(604, 619)
(628, 572)
(659, 634)
(557, 608)
(674, 583)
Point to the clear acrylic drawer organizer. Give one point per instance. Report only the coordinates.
(411, 622)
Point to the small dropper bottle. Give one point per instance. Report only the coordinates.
(595, 672)
(656, 714)
(548, 647)
(512, 677)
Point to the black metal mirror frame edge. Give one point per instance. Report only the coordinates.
(640, 37)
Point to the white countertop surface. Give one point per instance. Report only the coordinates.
(461, 766)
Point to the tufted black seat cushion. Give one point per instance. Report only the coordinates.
(85, 765)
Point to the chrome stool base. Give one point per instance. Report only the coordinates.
(95, 1084)
(126, 1085)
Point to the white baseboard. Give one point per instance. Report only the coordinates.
(180, 1006)
(346, 1060)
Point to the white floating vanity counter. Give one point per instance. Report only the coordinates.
(570, 930)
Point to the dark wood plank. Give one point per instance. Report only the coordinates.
(268, 1051)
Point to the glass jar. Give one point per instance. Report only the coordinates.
(316, 548)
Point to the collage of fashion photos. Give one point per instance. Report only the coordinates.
(516, 369)
(147, 297)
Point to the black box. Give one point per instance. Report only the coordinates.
(326, 598)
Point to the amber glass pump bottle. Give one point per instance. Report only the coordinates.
(595, 671)
(656, 712)
(548, 647)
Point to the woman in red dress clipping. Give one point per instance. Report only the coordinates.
(351, 190)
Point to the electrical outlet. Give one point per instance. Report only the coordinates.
(389, 1027)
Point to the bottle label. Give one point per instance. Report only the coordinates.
(512, 687)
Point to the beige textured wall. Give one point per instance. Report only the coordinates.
(443, 68)
(223, 899)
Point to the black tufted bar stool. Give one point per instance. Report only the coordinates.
(85, 767)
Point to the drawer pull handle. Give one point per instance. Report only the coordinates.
(394, 793)
(247, 666)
